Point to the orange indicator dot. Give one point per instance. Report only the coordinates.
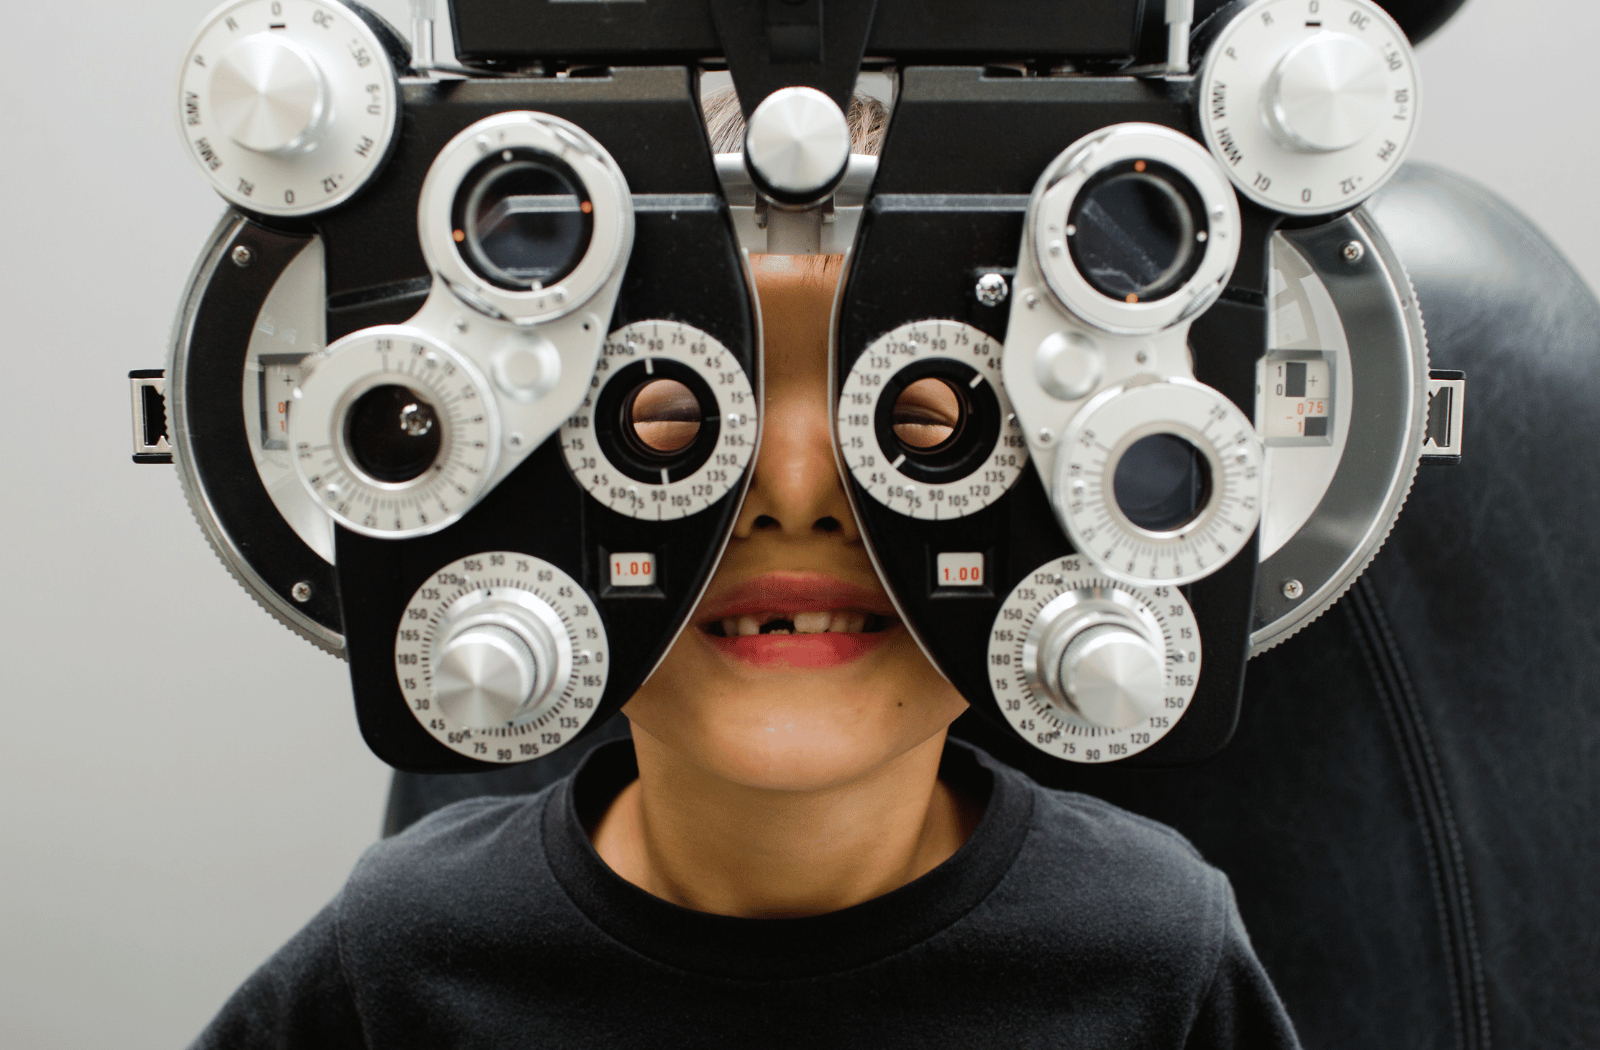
(459, 236)
(1132, 297)
(1138, 165)
(586, 207)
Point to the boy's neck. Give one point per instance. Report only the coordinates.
(706, 843)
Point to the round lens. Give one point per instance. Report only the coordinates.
(1161, 483)
(927, 414)
(664, 416)
(523, 219)
(392, 434)
(1134, 235)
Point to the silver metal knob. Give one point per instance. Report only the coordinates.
(1112, 676)
(501, 657)
(797, 146)
(269, 95)
(1325, 95)
(1068, 365)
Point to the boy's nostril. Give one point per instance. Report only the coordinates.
(827, 524)
(766, 521)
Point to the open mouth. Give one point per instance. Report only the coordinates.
(837, 621)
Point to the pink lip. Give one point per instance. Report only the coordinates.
(795, 592)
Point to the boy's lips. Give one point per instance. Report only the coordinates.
(797, 620)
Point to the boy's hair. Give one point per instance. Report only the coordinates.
(868, 120)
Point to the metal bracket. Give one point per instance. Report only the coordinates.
(1447, 397)
(149, 389)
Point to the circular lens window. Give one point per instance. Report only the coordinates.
(664, 417)
(1161, 483)
(523, 219)
(1137, 231)
(928, 414)
(393, 435)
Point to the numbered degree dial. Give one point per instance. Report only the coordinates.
(923, 422)
(288, 106)
(1310, 105)
(1090, 669)
(393, 433)
(501, 657)
(669, 425)
(1159, 482)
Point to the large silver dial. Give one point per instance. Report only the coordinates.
(393, 432)
(924, 424)
(1159, 482)
(1091, 669)
(287, 106)
(501, 657)
(669, 425)
(1310, 105)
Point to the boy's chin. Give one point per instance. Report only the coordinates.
(796, 750)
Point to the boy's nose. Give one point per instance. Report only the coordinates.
(796, 492)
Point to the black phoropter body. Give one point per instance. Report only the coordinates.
(498, 352)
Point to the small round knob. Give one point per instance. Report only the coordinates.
(797, 146)
(1326, 94)
(1112, 676)
(486, 674)
(1068, 365)
(268, 94)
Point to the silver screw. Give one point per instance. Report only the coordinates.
(460, 324)
(735, 419)
(243, 256)
(301, 592)
(1293, 589)
(1030, 300)
(1354, 251)
(1142, 357)
(1046, 435)
(332, 492)
(514, 440)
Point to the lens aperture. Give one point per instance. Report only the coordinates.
(1137, 231)
(393, 435)
(523, 220)
(665, 416)
(1161, 483)
(928, 414)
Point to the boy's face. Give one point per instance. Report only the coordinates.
(849, 689)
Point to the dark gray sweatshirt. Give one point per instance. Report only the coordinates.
(1062, 922)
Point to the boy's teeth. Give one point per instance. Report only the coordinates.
(839, 621)
(813, 622)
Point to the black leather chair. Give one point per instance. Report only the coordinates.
(1410, 808)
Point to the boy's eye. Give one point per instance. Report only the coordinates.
(927, 414)
(665, 416)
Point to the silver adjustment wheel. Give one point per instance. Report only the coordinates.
(268, 95)
(288, 107)
(797, 146)
(1112, 676)
(501, 657)
(1088, 668)
(1326, 95)
(486, 674)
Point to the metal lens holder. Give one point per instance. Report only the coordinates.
(1091, 374)
(1195, 187)
(540, 344)
(518, 138)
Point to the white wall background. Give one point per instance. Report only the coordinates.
(182, 783)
